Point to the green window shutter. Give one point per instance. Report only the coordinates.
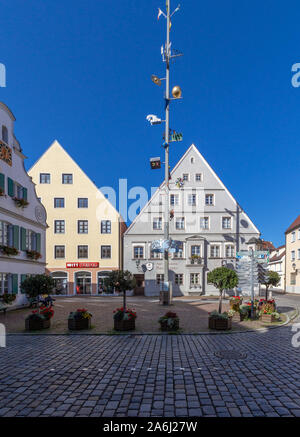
(38, 242)
(23, 239)
(16, 237)
(23, 277)
(11, 187)
(2, 181)
(15, 287)
(24, 193)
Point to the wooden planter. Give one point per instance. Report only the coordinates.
(124, 325)
(36, 323)
(269, 318)
(219, 324)
(78, 324)
(165, 327)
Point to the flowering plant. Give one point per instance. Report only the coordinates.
(33, 254)
(179, 182)
(127, 314)
(83, 313)
(216, 315)
(8, 298)
(236, 298)
(170, 319)
(47, 312)
(9, 251)
(2, 193)
(21, 203)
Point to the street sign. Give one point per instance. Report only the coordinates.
(176, 137)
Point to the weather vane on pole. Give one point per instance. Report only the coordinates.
(153, 119)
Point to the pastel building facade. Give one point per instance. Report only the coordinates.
(84, 237)
(277, 264)
(292, 263)
(206, 219)
(22, 216)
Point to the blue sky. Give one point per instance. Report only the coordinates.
(79, 72)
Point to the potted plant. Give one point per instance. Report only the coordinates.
(121, 281)
(268, 314)
(124, 320)
(79, 319)
(169, 322)
(8, 298)
(9, 251)
(39, 319)
(195, 259)
(33, 254)
(263, 302)
(20, 202)
(2, 193)
(220, 321)
(235, 302)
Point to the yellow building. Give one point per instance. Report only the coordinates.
(292, 263)
(84, 238)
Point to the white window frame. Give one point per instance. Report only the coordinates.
(233, 250)
(183, 177)
(208, 223)
(213, 199)
(139, 245)
(293, 237)
(177, 275)
(199, 253)
(293, 255)
(201, 177)
(194, 275)
(193, 197)
(210, 250)
(175, 196)
(182, 219)
(157, 220)
(226, 218)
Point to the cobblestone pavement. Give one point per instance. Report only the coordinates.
(151, 375)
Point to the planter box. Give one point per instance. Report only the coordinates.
(219, 324)
(78, 324)
(36, 324)
(124, 325)
(165, 327)
(269, 318)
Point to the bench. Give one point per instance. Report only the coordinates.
(3, 308)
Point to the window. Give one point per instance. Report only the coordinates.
(179, 279)
(194, 278)
(298, 253)
(209, 199)
(106, 252)
(19, 191)
(82, 226)
(198, 177)
(178, 254)
(195, 250)
(229, 251)
(185, 177)
(204, 222)
(293, 237)
(293, 278)
(298, 234)
(6, 234)
(59, 202)
(226, 222)
(105, 227)
(159, 278)
(138, 252)
(192, 199)
(154, 254)
(59, 251)
(83, 251)
(5, 134)
(215, 251)
(293, 255)
(67, 178)
(82, 202)
(192, 160)
(31, 240)
(44, 178)
(179, 224)
(174, 199)
(59, 226)
(157, 223)
(5, 283)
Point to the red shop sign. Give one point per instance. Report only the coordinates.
(82, 265)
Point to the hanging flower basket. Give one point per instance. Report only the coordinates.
(79, 320)
(20, 203)
(9, 251)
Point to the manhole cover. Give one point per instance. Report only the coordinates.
(231, 355)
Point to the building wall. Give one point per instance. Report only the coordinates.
(56, 162)
(31, 218)
(141, 231)
(293, 265)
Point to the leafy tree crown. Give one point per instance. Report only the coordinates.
(38, 284)
(121, 280)
(223, 278)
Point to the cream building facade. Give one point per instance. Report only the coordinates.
(84, 238)
(292, 263)
(277, 264)
(22, 216)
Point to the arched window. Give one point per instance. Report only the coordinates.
(5, 134)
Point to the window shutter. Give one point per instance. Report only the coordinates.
(15, 283)
(11, 187)
(23, 239)
(2, 181)
(24, 193)
(16, 237)
(23, 277)
(38, 242)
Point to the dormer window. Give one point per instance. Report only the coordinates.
(5, 134)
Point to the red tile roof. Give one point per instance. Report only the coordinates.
(277, 257)
(267, 245)
(294, 225)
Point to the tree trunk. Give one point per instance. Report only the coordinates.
(267, 289)
(124, 301)
(220, 301)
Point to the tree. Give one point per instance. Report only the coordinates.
(121, 280)
(223, 279)
(272, 279)
(35, 285)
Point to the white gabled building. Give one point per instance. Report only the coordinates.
(206, 218)
(22, 216)
(277, 264)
